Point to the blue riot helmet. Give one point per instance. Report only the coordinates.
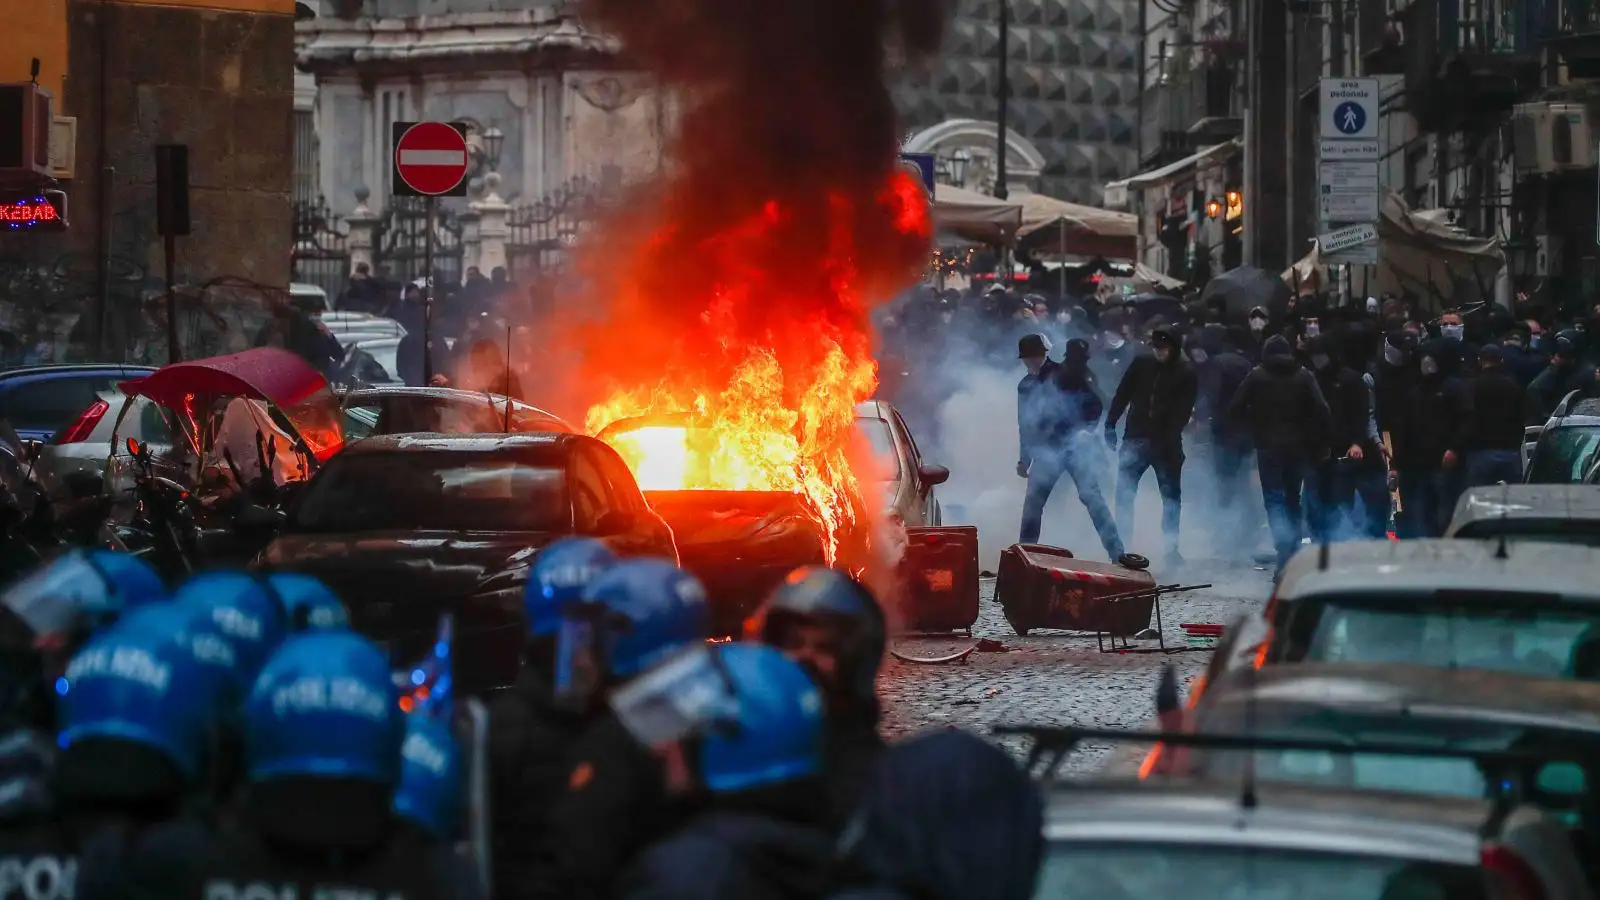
(307, 603)
(324, 706)
(138, 715)
(831, 624)
(559, 575)
(195, 631)
(633, 617)
(778, 734)
(243, 609)
(431, 789)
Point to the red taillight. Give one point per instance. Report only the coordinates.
(81, 429)
(1509, 875)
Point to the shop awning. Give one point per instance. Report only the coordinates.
(1210, 157)
(974, 216)
(1051, 226)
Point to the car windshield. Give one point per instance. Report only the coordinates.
(1563, 455)
(1558, 786)
(1528, 634)
(1114, 871)
(1581, 532)
(437, 491)
(878, 436)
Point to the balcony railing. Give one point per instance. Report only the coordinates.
(1491, 27)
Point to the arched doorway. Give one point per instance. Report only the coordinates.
(965, 150)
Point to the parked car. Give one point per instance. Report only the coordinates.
(308, 297)
(78, 453)
(39, 401)
(909, 488)
(1566, 449)
(397, 409)
(407, 527)
(1343, 603)
(1563, 513)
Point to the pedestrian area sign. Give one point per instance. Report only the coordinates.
(1349, 176)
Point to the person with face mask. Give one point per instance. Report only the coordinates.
(531, 731)
(1158, 394)
(1330, 494)
(1057, 408)
(1116, 352)
(1224, 442)
(1430, 438)
(1501, 410)
(1258, 333)
(1289, 420)
(1394, 374)
(1523, 361)
(831, 625)
(1567, 372)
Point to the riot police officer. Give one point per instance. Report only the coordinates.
(323, 740)
(530, 733)
(831, 625)
(43, 620)
(754, 749)
(633, 619)
(139, 708)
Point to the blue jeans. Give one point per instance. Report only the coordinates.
(1137, 457)
(1427, 500)
(1486, 467)
(1283, 474)
(1081, 460)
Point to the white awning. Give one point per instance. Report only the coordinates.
(1208, 158)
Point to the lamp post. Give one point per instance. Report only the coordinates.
(493, 140)
(959, 161)
(1004, 90)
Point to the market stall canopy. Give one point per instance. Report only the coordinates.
(268, 374)
(1155, 281)
(974, 216)
(1051, 225)
(1419, 254)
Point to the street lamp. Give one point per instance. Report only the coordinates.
(493, 140)
(959, 161)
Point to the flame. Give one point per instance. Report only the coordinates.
(763, 396)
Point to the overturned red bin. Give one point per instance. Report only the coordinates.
(1039, 586)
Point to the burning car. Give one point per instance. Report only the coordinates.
(739, 540)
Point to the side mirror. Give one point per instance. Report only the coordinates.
(932, 475)
(614, 522)
(135, 449)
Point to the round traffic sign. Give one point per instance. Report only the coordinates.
(1349, 117)
(431, 158)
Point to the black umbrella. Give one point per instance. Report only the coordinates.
(1243, 289)
(1149, 304)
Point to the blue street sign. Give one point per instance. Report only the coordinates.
(1349, 117)
(921, 165)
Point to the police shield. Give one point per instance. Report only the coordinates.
(472, 731)
(690, 694)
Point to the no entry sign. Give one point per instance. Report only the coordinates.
(430, 159)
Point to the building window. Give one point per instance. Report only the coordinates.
(305, 156)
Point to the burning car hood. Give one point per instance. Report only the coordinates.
(700, 518)
(356, 565)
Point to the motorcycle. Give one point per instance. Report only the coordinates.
(162, 529)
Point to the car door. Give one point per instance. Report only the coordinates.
(910, 466)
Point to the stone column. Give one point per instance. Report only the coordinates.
(363, 239)
(471, 238)
(493, 225)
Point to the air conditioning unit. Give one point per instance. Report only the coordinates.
(25, 121)
(1547, 255)
(1552, 137)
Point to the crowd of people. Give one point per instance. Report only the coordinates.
(236, 739)
(1363, 417)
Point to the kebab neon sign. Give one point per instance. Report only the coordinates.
(28, 211)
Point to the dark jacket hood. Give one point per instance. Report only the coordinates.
(1213, 339)
(949, 816)
(1277, 356)
(735, 854)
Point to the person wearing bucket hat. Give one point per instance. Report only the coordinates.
(1057, 409)
(324, 741)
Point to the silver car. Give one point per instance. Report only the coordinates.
(80, 455)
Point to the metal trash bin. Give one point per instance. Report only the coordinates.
(938, 579)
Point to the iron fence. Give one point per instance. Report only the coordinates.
(401, 242)
(543, 232)
(321, 251)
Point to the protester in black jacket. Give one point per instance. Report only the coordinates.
(1057, 406)
(1158, 393)
(1500, 410)
(1289, 418)
(1432, 430)
(1347, 446)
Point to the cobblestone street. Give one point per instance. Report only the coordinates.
(1058, 678)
